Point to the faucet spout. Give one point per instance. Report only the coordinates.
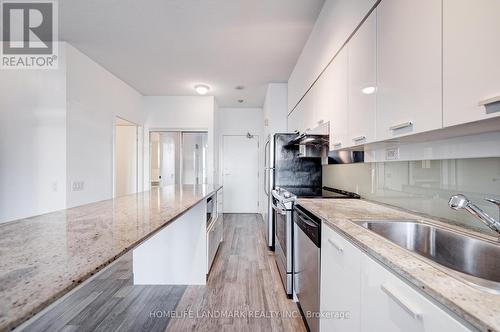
(460, 201)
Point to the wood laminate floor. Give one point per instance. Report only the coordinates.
(243, 293)
(243, 279)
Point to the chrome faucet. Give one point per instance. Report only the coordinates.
(459, 201)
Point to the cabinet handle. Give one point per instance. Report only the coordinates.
(336, 246)
(488, 101)
(337, 145)
(359, 138)
(402, 303)
(402, 125)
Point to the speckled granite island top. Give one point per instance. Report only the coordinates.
(479, 308)
(43, 257)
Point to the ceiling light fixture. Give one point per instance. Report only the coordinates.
(240, 101)
(202, 89)
(369, 90)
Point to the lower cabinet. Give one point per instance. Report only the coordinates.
(377, 300)
(214, 238)
(340, 265)
(388, 304)
(215, 232)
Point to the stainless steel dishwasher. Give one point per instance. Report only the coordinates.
(307, 231)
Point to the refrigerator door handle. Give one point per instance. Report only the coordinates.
(266, 168)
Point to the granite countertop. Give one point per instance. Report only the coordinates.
(481, 309)
(43, 257)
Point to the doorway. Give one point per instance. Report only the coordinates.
(126, 157)
(240, 173)
(178, 157)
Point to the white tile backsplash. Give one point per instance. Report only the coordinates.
(423, 186)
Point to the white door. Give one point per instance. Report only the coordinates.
(240, 174)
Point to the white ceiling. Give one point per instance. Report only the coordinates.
(165, 47)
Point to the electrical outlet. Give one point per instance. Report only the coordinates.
(54, 187)
(78, 185)
(392, 154)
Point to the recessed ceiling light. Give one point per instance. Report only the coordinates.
(240, 101)
(239, 87)
(369, 90)
(202, 89)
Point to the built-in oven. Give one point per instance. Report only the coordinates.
(283, 245)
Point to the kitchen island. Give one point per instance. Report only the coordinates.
(43, 257)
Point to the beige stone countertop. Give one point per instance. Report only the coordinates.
(479, 308)
(43, 257)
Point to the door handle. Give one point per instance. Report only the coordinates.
(489, 101)
(277, 209)
(402, 303)
(401, 125)
(336, 246)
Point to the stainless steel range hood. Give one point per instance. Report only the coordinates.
(309, 139)
(345, 157)
(315, 144)
(311, 145)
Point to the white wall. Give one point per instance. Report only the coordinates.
(275, 108)
(32, 141)
(95, 98)
(240, 121)
(179, 113)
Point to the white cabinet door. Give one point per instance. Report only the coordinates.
(471, 51)
(309, 105)
(388, 304)
(409, 95)
(336, 22)
(296, 119)
(362, 83)
(340, 283)
(323, 110)
(336, 74)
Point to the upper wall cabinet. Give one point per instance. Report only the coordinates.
(471, 53)
(336, 22)
(296, 119)
(338, 99)
(362, 83)
(409, 95)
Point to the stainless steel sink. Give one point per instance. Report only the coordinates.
(471, 259)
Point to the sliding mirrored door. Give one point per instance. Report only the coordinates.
(194, 158)
(178, 157)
